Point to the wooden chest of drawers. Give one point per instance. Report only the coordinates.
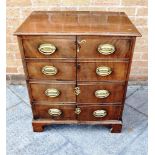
(77, 66)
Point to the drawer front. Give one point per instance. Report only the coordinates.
(55, 112)
(52, 70)
(89, 47)
(100, 71)
(53, 92)
(50, 47)
(99, 112)
(100, 92)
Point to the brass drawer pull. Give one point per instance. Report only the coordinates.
(106, 49)
(100, 113)
(103, 71)
(49, 70)
(54, 112)
(47, 49)
(52, 92)
(102, 93)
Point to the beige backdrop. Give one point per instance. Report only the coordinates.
(18, 10)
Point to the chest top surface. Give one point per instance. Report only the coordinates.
(77, 23)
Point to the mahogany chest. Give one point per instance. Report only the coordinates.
(77, 66)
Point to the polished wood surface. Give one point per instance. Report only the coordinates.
(113, 112)
(39, 124)
(77, 23)
(66, 92)
(65, 70)
(87, 94)
(77, 36)
(65, 46)
(41, 111)
(89, 50)
(68, 112)
(87, 70)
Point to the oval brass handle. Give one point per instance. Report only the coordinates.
(103, 71)
(49, 70)
(100, 113)
(102, 93)
(54, 112)
(52, 92)
(47, 49)
(106, 49)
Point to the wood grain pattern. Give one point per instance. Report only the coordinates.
(89, 49)
(88, 89)
(20, 43)
(116, 128)
(65, 46)
(113, 112)
(41, 111)
(77, 23)
(66, 30)
(129, 69)
(68, 112)
(65, 70)
(66, 92)
(39, 124)
(87, 71)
